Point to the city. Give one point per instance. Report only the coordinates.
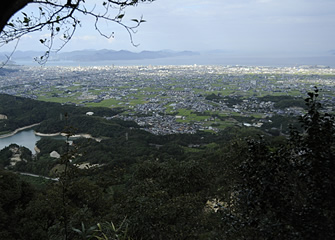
(175, 99)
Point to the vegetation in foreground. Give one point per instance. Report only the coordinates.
(239, 184)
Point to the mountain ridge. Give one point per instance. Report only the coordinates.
(99, 55)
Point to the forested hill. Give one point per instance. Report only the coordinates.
(21, 112)
(238, 184)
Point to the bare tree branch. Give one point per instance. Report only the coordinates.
(62, 17)
(10, 55)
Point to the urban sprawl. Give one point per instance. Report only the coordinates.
(173, 99)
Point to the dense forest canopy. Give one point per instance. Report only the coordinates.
(238, 184)
(21, 112)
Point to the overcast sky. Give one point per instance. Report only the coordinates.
(248, 26)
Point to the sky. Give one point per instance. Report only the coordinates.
(269, 27)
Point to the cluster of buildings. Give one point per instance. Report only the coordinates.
(157, 97)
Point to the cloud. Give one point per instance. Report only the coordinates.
(110, 40)
(46, 35)
(27, 36)
(85, 38)
(264, 1)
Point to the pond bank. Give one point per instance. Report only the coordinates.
(84, 135)
(18, 130)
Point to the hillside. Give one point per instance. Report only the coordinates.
(235, 184)
(23, 112)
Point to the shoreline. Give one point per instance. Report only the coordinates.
(46, 134)
(84, 135)
(18, 130)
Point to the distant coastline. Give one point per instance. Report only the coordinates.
(18, 130)
(202, 58)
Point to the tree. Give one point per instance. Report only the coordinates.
(15, 196)
(164, 200)
(287, 191)
(61, 18)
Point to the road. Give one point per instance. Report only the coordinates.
(40, 176)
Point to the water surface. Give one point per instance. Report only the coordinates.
(25, 138)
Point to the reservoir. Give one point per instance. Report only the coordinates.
(28, 139)
(25, 138)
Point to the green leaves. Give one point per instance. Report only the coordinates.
(120, 16)
(285, 191)
(138, 21)
(26, 19)
(85, 233)
(108, 231)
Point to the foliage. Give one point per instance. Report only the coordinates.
(84, 232)
(108, 231)
(229, 100)
(239, 184)
(15, 195)
(286, 192)
(283, 102)
(6, 154)
(23, 112)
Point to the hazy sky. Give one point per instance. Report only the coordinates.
(250, 26)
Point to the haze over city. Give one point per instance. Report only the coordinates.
(252, 27)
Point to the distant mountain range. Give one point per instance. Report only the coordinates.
(97, 55)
